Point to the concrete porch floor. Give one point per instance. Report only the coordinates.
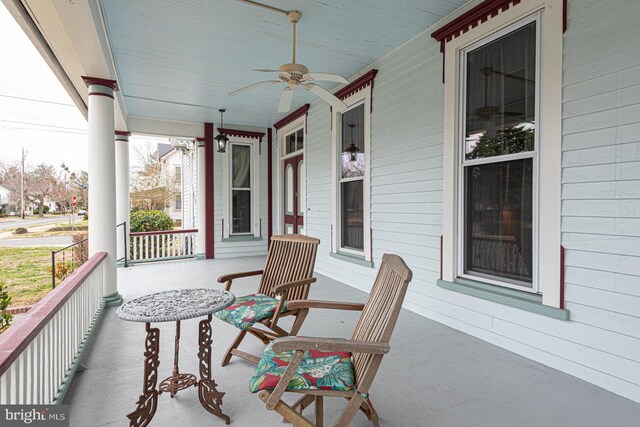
(434, 375)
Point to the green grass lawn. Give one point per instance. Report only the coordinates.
(26, 273)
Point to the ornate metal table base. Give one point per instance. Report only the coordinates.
(210, 397)
(177, 381)
(208, 394)
(148, 400)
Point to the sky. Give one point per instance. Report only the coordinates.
(35, 111)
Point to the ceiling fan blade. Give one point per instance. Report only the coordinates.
(265, 70)
(251, 86)
(285, 100)
(328, 77)
(327, 97)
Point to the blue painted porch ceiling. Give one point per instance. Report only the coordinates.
(178, 60)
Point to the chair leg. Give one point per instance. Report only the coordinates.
(234, 345)
(297, 324)
(319, 412)
(350, 411)
(370, 412)
(259, 334)
(287, 411)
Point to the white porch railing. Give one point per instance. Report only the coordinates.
(162, 245)
(40, 352)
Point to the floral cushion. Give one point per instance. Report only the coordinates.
(318, 370)
(249, 309)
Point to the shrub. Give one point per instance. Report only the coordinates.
(5, 300)
(69, 228)
(86, 216)
(21, 230)
(64, 269)
(150, 221)
(45, 208)
(81, 251)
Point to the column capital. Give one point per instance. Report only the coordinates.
(122, 135)
(111, 84)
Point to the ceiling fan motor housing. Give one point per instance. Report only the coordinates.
(295, 70)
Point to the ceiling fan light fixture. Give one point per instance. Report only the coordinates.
(221, 139)
(352, 149)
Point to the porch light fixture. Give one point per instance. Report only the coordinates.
(352, 149)
(221, 139)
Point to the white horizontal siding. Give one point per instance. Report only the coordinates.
(600, 198)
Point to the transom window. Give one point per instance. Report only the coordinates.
(294, 141)
(499, 110)
(241, 189)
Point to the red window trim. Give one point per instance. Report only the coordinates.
(242, 133)
(357, 85)
(302, 111)
(476, 16)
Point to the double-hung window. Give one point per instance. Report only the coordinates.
(499, 157)
(241, 189)
(351, 238)
(502, 152)
(241, 183)
(352, 171)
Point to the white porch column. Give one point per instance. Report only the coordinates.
(102, 181)
(123, 203)
(201, 210)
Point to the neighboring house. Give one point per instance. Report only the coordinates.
(4, 200)
(189, 183)
(171, 160)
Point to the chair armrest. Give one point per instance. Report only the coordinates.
(228, 278)
(279, 289)
(330, 344)
(336, 305)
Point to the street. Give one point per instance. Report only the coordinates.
(36, 241)
(32, 222)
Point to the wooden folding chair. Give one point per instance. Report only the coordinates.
(318, 367)
(287, 276)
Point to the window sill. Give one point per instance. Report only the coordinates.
(355, 259)
(241, 239)
(510, 297)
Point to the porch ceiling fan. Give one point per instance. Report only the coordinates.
(296, 75)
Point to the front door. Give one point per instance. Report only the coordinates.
(294, 199)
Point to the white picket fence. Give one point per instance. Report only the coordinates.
(162, 245)
(41, 351)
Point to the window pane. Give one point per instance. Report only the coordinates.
(241, 211)
(352, 215)
(241, 166)
(299, 140)
(352, 158)
(290, 143)
(501, 87)
(498, 220)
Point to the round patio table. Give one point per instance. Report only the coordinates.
(174, 306)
